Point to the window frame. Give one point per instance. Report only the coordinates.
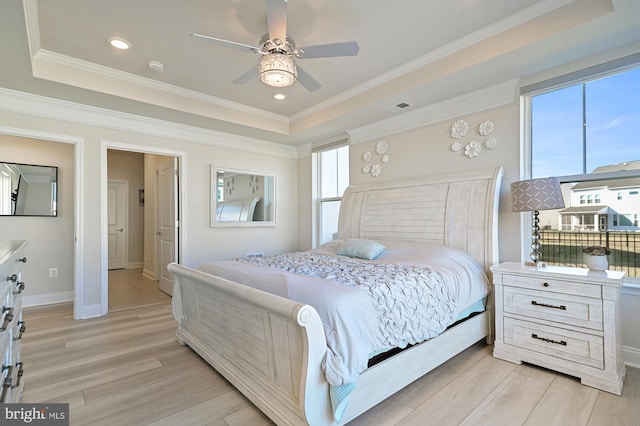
(318, 200)
(526, 153)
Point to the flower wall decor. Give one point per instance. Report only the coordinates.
(254, 184)
(460, 129)
(230, 185)
(375, 170)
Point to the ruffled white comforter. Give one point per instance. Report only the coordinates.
(410, 293)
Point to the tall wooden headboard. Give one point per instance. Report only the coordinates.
(458, 210)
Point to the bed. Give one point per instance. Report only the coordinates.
(236, 210)
(272, 348)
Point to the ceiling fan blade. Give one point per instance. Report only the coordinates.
(225, 43)
(247, 76)
(277, 19)
(307, 81)
(347, 48)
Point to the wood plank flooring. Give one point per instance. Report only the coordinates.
(128, 288)
(127, 369)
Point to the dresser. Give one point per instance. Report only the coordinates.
(12, 327)
(565, 319)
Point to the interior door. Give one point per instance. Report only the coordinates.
(167, 220)
(117, 212)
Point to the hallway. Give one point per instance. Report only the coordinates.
(128, 288)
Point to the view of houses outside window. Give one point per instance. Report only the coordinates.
(587, 129)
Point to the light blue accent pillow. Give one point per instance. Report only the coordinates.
(362, 249)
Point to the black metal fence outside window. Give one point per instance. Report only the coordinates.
(565, 248)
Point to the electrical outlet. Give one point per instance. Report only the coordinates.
(53, 272)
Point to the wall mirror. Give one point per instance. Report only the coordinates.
(242, 197)
(28, 190)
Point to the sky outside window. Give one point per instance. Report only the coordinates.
(612, 126)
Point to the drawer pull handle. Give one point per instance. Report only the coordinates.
(13, 278)
(544, 339)
(19, 288)
(20, 374)
(23, 260)
(7, 384)
(545, 305)
(7, 318)
(23, 328)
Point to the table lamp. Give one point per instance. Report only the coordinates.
(531, 196)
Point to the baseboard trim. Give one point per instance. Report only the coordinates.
(134, 265)
(47, 298)
(631, 356)
(147, 273)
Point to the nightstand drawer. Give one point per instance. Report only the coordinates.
(554, 286)
(573, 346)
(566, 309)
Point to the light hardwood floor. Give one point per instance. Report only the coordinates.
(128, 288)
(127, 369)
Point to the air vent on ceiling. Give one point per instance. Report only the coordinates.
(398, 107)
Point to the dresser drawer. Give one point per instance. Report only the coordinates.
(554, 286)
(566, 309)
(581, 348)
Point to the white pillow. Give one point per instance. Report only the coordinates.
(362, 249)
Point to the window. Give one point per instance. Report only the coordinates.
(583, 129)
(333, 179)
(5, 193)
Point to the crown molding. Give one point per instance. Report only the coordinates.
(36, 105)
(53, 66)
(75, 72)
(479, 100)
(511, 21)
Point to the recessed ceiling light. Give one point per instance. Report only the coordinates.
(119, 43)
(280, 96)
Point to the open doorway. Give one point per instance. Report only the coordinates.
(142, 232)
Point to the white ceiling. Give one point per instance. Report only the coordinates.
(415, 51)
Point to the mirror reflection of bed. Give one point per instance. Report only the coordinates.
(242, 197)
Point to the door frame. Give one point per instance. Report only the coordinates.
(181, 196)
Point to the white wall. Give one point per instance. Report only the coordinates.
(50, 238)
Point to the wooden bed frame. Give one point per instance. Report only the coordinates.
(271, 348)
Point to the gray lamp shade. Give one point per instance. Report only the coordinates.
(536, 194)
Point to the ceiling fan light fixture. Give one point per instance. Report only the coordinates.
(277, 70)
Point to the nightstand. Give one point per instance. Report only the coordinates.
(564, 319)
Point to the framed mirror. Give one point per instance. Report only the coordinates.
(242, 197)
(28, 190)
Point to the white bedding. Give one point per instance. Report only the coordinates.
(349, 312)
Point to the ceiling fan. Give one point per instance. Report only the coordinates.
(277, 66)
